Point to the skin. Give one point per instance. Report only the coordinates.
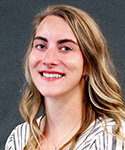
(56, 51)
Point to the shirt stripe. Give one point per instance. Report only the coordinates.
(94, 138)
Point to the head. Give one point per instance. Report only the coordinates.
(87, 33)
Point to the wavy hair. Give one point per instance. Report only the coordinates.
(103, 92)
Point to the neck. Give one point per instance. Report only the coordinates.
(66, 108)
(63, 117)
(63, 113)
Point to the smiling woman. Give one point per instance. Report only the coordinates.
(69, 73)
(56, 54)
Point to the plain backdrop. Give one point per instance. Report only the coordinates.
(15, 22)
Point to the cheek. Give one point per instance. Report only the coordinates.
(33, 61)
(75, 64)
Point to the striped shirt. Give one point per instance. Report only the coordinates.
(94, 138)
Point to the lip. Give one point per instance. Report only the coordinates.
(51, 78)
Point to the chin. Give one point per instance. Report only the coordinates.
(52, 96)
(49, 94)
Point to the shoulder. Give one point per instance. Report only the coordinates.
(18, 137)
(106, 140)
(110, 125)
(95, 137)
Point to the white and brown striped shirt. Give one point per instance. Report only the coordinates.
(94, 138)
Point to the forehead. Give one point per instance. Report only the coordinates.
(55, 26)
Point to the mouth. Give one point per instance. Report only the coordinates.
(51, 75)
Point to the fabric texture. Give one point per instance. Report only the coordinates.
(94, 138)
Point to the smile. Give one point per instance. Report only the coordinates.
(51, 75)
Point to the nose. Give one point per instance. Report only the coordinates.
(50, 58)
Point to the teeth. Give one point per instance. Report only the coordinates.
(50, 75)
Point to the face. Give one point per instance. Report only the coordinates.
(56, 62)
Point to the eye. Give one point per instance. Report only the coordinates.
(40, 47)
(66, 48)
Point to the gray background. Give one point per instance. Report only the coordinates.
(15, 22)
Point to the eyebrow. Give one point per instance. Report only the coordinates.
(65, 41)
(40, 38)
(58, 42)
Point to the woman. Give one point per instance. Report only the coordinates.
(69, 73)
